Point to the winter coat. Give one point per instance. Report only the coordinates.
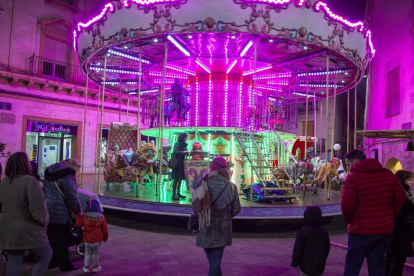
(94, 226)
(371, 198)
(65, 178)
(312, 244)
(220, 232)
(403, 232)
(179, 148)
(24, 214)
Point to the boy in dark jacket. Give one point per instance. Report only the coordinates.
(95, 230)
(312, 244)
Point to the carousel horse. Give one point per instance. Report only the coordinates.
(165, 169)
(143, 159)
(329, 168)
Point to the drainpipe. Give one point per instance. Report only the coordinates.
(11, 34)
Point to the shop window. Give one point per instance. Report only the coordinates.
(393, 92)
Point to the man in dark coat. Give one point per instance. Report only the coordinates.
(312, 244)
(63, 176)
(371, 198)
(179, 152)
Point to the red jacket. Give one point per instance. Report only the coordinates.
(94, 226)
(371, 198)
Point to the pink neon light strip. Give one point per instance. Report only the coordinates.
(257, 70)
(196, 114)
(240, 101)
(321, 5)
(108, 7)
(226, 88)
(127, 3)
(368, 34)
(281, 2)
(209, 100)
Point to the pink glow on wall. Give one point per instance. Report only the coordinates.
(196, 107)
(127, 3)
(226, 88)
(209, 101)
(108, 8)
(321, 5)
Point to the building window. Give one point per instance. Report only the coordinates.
(393, 92)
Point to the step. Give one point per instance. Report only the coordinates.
(269, 167)
(281, 196)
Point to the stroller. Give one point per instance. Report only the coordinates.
(76, 239)
(259, 193)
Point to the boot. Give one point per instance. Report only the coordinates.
(179, 191)
(175, 197)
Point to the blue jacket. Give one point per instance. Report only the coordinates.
(65, 178)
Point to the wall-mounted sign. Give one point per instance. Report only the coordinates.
(35, 126)
(5, 106)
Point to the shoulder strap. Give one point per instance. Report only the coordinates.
(219, 194)
(64, 198)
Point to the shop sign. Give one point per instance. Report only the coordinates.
(35, 126)
(5, 106)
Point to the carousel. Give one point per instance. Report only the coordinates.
(231, 75)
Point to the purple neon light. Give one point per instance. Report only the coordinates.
(257, 70)
(127, 3)
(203, 66)
(368, 34)
(231, 66)
(299, 3)
(278, 82)
(273, 76)
(159, 81)
(209, 101)
(168, 75)
(240, 100)
(321, 5)
(269, 88)
(108, 8)
(197, 89)
(178, 45)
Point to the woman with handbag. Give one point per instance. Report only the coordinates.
(24, 217)
(177, 165)
(215, 202)
(403, 233)
(63, 204)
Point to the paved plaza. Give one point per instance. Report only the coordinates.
(142, 248)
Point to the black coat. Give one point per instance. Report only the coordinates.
(312, 246)
(179, 148)
(65, 178)
(403, 232)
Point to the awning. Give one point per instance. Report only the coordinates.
(390, 134)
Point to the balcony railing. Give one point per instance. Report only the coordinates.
(55, 70)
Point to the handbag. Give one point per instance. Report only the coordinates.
(193, 221)
(173, 162)
(72, 214)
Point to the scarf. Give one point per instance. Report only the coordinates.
(200, 197)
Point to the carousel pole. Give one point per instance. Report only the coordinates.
(127, 116)
(84, 129)
(254, 117)
(314, 117)
(100, 137)
(333, 128)
(355, 117)
(327, 124)
(137, 180)
(97, 133)
(120, 97)
(347, 123)
(161, 122)
(306, 126)
(321, 129)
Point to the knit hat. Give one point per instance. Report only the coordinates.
(93, 206)
(218, 163)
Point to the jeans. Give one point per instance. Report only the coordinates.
(395, 262)
(15, 259)
(214, 256)
(373, 248)
(58, 235)
(92, 250)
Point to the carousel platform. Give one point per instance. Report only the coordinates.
(123, 197)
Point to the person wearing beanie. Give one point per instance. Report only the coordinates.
(312, 244)
(95, 231)
(179, 152)
(215, 201)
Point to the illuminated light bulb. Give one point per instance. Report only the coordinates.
(305, 48)
(155, 40)
(233, 37)
(271, 40)
(190, 36)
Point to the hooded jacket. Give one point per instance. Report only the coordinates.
(312, 244)
(94, 226)
(65, 179)
(371, 198)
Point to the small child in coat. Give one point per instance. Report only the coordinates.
(312, 244)
(95, 230)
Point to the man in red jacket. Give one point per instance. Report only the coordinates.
(371, 198)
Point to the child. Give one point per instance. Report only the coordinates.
(312, 244)
(95, 231)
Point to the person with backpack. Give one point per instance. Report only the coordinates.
(215, 201)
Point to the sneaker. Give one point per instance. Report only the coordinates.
(86, 269)
(96, 269)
